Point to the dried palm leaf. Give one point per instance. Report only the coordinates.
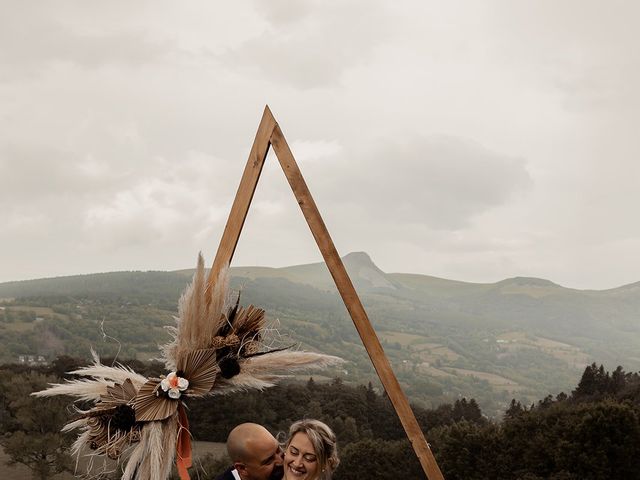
(200, 368)
(119, 393)
(153, 405)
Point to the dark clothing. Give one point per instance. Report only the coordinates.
(227, 475)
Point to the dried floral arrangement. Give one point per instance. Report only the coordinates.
(218, 347)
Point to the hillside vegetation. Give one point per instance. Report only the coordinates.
(521, 337)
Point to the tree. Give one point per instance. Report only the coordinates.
(467, 410)
(588, 382)
(378, 460)
(467, 450)
(618, 380)
(32, 426)
(606, 442)
(515, 409)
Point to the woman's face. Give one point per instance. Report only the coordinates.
(300, 459)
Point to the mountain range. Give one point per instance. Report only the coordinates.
(519, 338)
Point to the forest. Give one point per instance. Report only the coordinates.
(590, 433)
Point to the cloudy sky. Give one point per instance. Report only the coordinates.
(468, 140)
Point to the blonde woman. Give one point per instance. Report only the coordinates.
(310, 452)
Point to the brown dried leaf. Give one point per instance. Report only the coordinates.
(151, 406)
(200, 368)
(119, 393)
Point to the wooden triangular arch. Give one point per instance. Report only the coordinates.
(269, 134)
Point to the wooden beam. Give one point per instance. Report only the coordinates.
(243, 198)
(269, 133)
(354, 306)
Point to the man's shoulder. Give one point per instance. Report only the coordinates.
(227, 475)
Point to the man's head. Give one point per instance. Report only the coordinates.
(255, 453)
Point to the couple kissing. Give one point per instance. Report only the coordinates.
(309, 453)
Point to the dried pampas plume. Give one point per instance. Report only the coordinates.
(198, 320)
(218, 347)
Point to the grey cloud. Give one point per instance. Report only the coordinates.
(609, 86)
(38, 173)
(112, 207)
(315, 44)
(582, 48)
(437, 182)
(284, 12)
(33, 39)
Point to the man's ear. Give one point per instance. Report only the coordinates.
(240, 467)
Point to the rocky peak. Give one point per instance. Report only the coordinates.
(364, 273)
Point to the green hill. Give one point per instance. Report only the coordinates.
(520, 337)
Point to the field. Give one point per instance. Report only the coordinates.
(569, 354)
(429, 351)
(496, 381)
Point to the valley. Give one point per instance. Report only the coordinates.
(519, 338)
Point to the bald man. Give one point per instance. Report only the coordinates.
(255, 453)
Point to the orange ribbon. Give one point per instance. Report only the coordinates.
(183, 446)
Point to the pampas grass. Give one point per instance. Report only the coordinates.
(260, 372)
(103, 377)
(197, 320)
(285, 360)
(88, 390)
(153, 457)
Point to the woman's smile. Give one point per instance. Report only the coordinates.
(300, 460)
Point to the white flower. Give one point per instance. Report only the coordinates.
(174, 384)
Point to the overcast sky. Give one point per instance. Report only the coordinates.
(467, 140)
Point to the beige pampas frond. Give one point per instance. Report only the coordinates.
(138, 464)
(117, 374)
(192, 312)
(197, 319)
(80, 442)
(286, 361)
(88, 390)
(243, 382)
(219, 303)
(261, 371)
(81, 422)
(93, 389)
(169, 438)
(153, 457)
(153, 461)
(136, 457)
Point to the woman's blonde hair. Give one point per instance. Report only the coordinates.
(324, 444)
